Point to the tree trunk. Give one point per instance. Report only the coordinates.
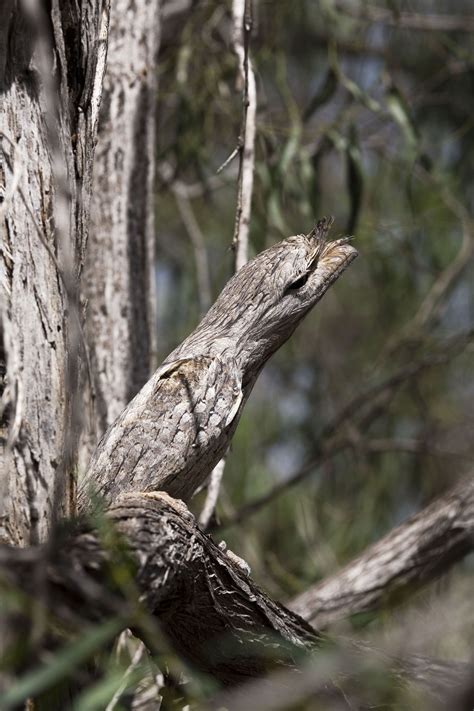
(118, 280)
(51, 64)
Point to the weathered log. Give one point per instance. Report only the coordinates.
(180, 424)
(212, 613)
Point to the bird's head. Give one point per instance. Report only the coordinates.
(262, 304)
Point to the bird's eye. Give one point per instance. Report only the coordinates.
(298, 283)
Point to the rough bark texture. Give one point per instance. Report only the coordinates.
(118, 280)
(51, 64)
(180, 424)
(407, 558)
(213, 614)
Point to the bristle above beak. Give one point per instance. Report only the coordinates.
(321, 229)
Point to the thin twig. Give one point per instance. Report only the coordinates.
(447, 279)
(228, 160)
(190, 190)
(411, 446)
(136, 659)
(242, 17)
(199, 246)
(430, 308)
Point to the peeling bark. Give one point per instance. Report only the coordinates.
(50, 90)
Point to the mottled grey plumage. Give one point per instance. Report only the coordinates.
(179, 425)
(172, 429)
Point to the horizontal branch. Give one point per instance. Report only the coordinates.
(409, 557)
(332, 682)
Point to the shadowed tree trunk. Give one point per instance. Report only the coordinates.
(51, 64)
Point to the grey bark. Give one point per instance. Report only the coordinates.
(410, 556)
(212, 613)
(332, 683)
(215, 617)
(118, 280)
(50, 91)
(180, 424)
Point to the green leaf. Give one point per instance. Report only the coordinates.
(289, 151)
(398, 109)
(275, 214)
(354, 89)
(61, 664)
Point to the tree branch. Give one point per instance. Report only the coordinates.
(432, 304)
(409, 557)
(212, 613)
(199, 246)
(213, 489)
(215, 617)
(328, 681)
(242, 17)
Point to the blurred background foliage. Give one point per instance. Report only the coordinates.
(364, 117)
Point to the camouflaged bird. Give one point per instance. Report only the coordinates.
(176, 429)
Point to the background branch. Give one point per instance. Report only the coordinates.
(409, 20)
(199, 246)
(409, 557)
(242, 17)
